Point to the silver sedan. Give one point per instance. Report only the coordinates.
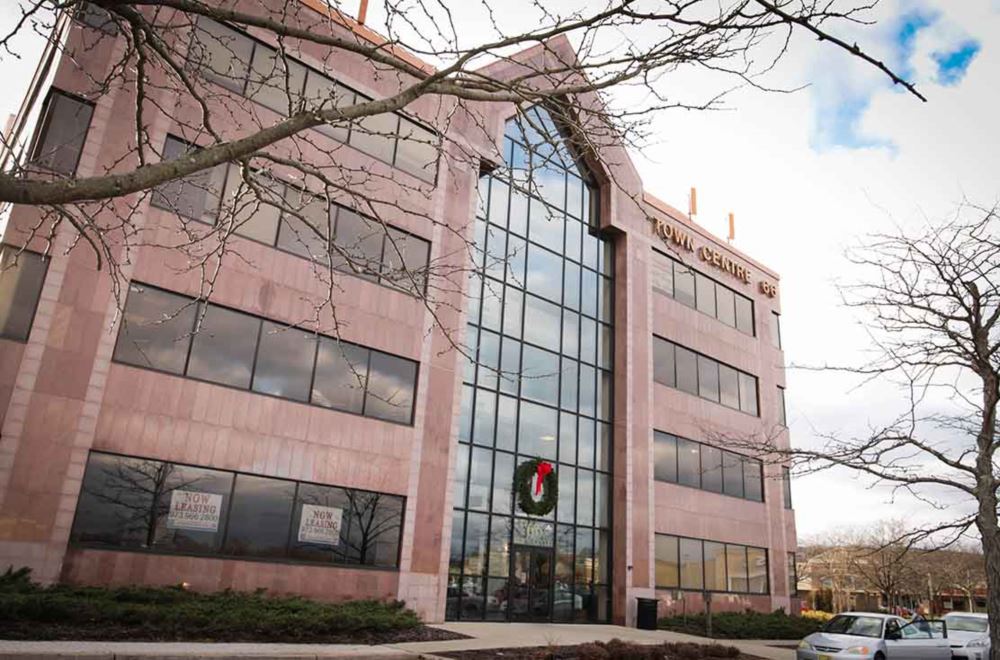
(874, 636)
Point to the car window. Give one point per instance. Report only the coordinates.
(916, 630)
(891, 627)
(852, 624)
(967, 624)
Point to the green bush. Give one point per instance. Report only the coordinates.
(175, 613)
(744, 625)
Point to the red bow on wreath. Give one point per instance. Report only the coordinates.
(541, 472)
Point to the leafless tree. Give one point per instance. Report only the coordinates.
(180, 59)
(931, 303)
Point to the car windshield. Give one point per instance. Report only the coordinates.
(849, 624)
(967, 624)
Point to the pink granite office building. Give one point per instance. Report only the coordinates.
(617, 346)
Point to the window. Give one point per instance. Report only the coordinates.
(786, 487)
(273, 79)
(22, 274)
(222, 350)
(137, 503)
(93, 16)
(664, 457)
(391, 384)
(195, 196)
(237, 349)
(694, 289)
(775, 330)
(793, 576)
(62, 131)
(715, 566)
(736, 567)
(757, 566)
(692, 564)
(285, 359)
(156, 329)
(688, 463)
(667, 561)
(781, 406)
(683, 369)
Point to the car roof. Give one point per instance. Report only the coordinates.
(878, 615)
(971, 615)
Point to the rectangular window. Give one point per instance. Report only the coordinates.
(139, 503)
(781, 406)
(715, 566)
(793, 576)
(195, 196)
(679, 367)
(667, 562)
(22, 274)
(692, 564)
(736, 567)
(221, 54)
(244, 351)
(775, 330)
(690, 463)
(757, 565)
(786, 487)
(156, 329)
(664, 457)
(62, 131)
(699, 291)
(273, 79)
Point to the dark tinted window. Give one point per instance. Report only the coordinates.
(663, 362)
(744, 315)
(752, 480)
(775, 330)
(732, 469)
(360, 241)
(684, 285)
(284, 361)
(687, 370)
(139, 503)
(704, 376)
(21, 277)
(391, 382)
(695, 289)
(195, 196)
(341, 375)
(748, 393)
(786, 487)
(191, 510)
(376, 135)
(416, 150)
(260, 517)
(781, 406)
(251, 207)
(404, 261)
(222, 350)
(708, 378)
(729, 387)
(275, 81)
(61, 133)
(156, 329)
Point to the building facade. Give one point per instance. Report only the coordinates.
(548, 439)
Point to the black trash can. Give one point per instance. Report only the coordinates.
(645, 617)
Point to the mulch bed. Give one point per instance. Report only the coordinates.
(613, 650)
(34, 631)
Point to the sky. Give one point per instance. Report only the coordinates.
(807, 175)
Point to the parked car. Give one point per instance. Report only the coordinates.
(876, 636)
(968, 634)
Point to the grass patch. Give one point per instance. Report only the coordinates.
(30, 611)
(744, 625)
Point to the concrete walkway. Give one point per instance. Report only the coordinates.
(481, 636)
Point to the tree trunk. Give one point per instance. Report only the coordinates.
(986, 521)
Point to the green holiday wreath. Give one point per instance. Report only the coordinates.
(522, 486)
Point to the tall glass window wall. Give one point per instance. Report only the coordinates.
(539, 386)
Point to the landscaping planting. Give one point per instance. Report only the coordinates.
(744, 625)
(29, 611)
(616, 649)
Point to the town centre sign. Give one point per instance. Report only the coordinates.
(682, 239)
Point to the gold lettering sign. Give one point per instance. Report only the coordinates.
(671, 234)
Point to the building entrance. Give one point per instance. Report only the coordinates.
(531, 584)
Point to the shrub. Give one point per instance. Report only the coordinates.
(175, 613)
(744, 625)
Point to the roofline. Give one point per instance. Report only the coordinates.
(686, 220)
(369, 35)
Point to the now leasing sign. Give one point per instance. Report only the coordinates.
(195, 511)
(320, 524)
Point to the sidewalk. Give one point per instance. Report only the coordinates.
(481, 636)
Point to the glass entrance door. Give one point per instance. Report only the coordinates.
(531, 584)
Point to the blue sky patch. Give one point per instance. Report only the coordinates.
(952, 65)
(839, 125)
(904, 38)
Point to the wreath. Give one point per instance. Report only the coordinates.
(547, 484)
